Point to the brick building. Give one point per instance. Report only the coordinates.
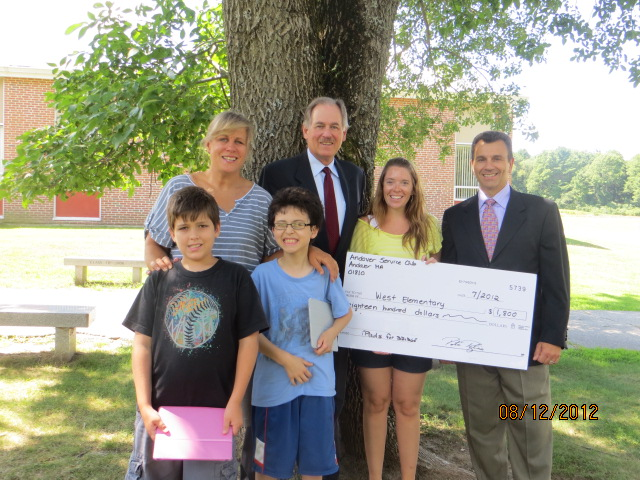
(448, 181)
(23, 107)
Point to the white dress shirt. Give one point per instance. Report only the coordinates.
(318, 177)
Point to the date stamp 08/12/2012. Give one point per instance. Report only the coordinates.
(562, 411)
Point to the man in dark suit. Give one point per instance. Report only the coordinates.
(324, 128)
(341, 189)
(504, 229)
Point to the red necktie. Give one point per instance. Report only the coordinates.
(489, 226)
(330, 211)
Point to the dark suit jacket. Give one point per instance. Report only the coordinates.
(531, 240)
(296, 172)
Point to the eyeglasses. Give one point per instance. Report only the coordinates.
(295, 225)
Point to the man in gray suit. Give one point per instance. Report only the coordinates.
(508, 230)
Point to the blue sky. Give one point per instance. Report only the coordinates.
(574, 105)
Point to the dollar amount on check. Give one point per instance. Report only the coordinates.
(449, 312)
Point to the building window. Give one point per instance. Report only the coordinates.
(1, 140)
(466, 184)
(1, 127)
(79, 206)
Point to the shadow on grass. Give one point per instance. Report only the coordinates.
(606, 381)
(608, 447)
(75, 418)
(578, 243)
(604, 301)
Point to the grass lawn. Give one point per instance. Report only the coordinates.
(608, 447)
(74, 420)
(36, 255)
(605, 261)
(66, 420)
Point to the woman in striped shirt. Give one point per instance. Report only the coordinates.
(245, 237)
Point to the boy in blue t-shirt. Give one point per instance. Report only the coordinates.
(294, 383)
(196, 338)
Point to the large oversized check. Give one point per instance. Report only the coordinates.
(449, 312)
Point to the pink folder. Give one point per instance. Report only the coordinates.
(195, 433)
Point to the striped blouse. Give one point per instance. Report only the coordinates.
(245, 237)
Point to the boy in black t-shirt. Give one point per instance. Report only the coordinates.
(196, 338)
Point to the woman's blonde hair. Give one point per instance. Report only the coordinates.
(226, 122)
(420, 226)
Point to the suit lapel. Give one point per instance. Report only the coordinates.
(514, 217)
(472, 224)
(351, 207)
(304, 178)
(303, 174)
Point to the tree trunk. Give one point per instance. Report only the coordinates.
(274, 71)
(356, 51)
(284, 53)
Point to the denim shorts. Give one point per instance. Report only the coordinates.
(142, 466)
(299, 432)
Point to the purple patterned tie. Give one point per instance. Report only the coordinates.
(489, 226)
(330, 211)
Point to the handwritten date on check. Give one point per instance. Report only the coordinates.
(449, 312)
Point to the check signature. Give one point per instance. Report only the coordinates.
(468, 345)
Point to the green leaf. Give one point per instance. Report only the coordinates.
(73, 27)
(163, 75)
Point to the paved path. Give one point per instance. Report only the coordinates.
(588, 328)
(112, 306)
(601, 328)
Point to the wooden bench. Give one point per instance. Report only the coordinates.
(81, 264)
(65, 319)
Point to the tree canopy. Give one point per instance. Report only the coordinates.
(632, 187)
(581, 180)
(554, 171)
(141, 96)
(600, 182)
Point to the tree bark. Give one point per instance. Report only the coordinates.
(356, 51)
(274, 72)
(284, 53)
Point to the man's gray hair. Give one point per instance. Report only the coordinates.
(326, 101)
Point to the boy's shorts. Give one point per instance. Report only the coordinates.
(299, 431)
(404, 363)
(142, 466)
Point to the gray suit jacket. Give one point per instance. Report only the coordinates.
(531, 240)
